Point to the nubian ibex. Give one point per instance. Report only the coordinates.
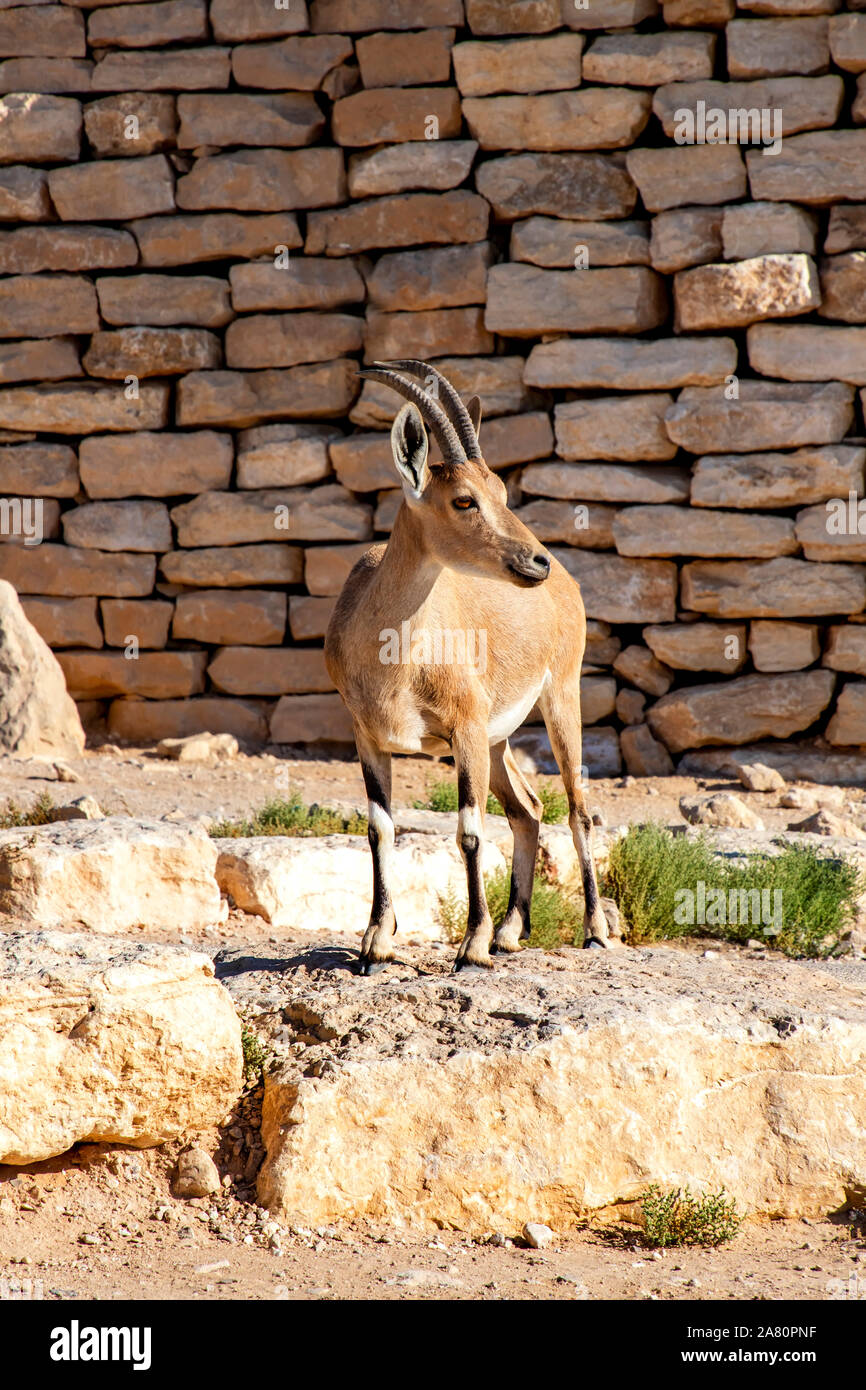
(459, 562)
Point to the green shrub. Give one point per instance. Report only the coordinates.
(292, 817)
(256, 1055)
(649, 867)
(681, 1217)
(556, 912)
(12, 815)
(442, 796)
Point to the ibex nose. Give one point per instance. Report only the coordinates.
(542, 563)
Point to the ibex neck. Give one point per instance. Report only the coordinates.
(408, 571)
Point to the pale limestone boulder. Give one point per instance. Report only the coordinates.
(595, 118)
(517, 65)
(805, 103)
(311, 883)
(617, 590)
(784, 646)
(740, 710)
(581, 1089)
(778, 480)
(625, 364)
(432, 165)
(848, 724)
(327, 513)
(36, 714)
(758, 229)
(676, 175)
(284, 455)
(314, 718)
(757, 777)
(316, 390)
(815, 169)
(524, 301)
(561, 185)
(671, 531)
(109, 875)
(824, 822)
(808, 352)
(197, 1175)
(782, 588)
(110, 1041)
(155, 463)
(764, 415)
(846, 649)
(235, 566)
(198, 748)
(722, 811)
(644, 756)
(148, 721)
(685, 236)
(608, 482)
(736, 294)
(630, 428)
(699, 646)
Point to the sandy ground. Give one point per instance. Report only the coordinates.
(101, 1222)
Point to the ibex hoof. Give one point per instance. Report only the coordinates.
(371, 967)
(471, 967)
(593, 943)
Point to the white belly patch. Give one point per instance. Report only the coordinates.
(503, 723)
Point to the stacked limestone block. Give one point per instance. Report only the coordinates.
(211, 213)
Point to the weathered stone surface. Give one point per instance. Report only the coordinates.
(148, 620)
(38, 470)
(151, 675)
(803, 103)
(254, 617)
(565, 524)
(139, 525)
(145, 352)
(497, 381)
(843, 286)
(388, 114)
(597, 698)
(28, 249)
(187, 237)
(255, 19)
(264, 180)
(771, 47)
(418, 280)
(364, 462)
(49, 31)
(673, 531)
(730, 296)
(284, 455)
(432, 165)
(137, 26)
(846, 649)
(81, 408)
(235, 566)
(622, 591)
(780, 588)
(760, 229)
(783, 646)
(644, 756)
(36, 128)
(607, 482)
(688, 236)
(808, 352)
(236, 118)
(848, 724)
(267, 671)
(36, 714)
(722, 811)
(512, 16)
(847, 34)
(326, 567)
(630, 365)
(740, 710)
(155, 464)
(647, 60)
(821, 539)
(310, 283)
(555, 242)
(608, 14)
(311, 719)
(680, 174)
(110, 132)
(757, 777)
(699, 646)
(39, 306)
(66, 571)
(563, 185)
(767, 415)
(163, 300)
(615, 427)
(309, 617)
(405, 60)
(361, 16)
(846, 229)
(162, 69)
(151, 1014)
(640, 667)
(295, 64)
(603, 118)
(425, 333)
(517, 65)
(284, 340)
(147, 721)
(197, 1174)
(778, 480)
(113, 189)
(198, 748)
(242, 399)
(24, 195)
(43, 359)
(327, 513)
(574, 1047)
(403, 220)
(524, 301)
(64, 622)
(815, 169)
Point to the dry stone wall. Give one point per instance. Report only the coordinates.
(638, 232)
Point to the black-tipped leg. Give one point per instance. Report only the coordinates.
(371, 967)
(469, 967)
(592, 943)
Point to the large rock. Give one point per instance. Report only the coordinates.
(309, 282)
(630, 364)
(615, 427)
(151, 675)
(25, 250)
(497, 381)
(85, 407)
(190, 237)
(109, 133)
(395, 114)
(67, 570)
(155, 463)
(784, 646)
(524, 301)
(442, 278)
(284, 455)
(408, 219)
(256, 617)
(264, 180)
(699, 646)
(235, 566)
(34, 127)
(730, 296)
(560, 1068)
(132, 26)
(821, 537)
(758, 229)
(38, 470)
(805, 103)
(115, 874)
(741, 710)
(39, 306)
(617, 590)
(148, 721)
(241, 399)
(164, 300)
(36, 714)
(675, 175)
(285, 340)
(561, 185)
(606, 482)
(778, 480)
(846, 648)
(648, 60)
(781, 588)
(763, 415)
(432, 165)
(558, 242)
(843, 286)
(684, 237)
(848, 725)
(426, 333)
(808, 352)
(819, 168)
(113, 189)
(235, 118)
(24, 195)
(298, 64)
(405, 60)
(110, 1041)
(597, 118)
(517, 65)
(162, 69)
(129, 525)
(673, 531)
(326, 513)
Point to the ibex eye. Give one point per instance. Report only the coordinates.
(464, 504)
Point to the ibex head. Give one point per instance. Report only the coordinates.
(462, 504)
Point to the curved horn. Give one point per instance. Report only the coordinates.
(453, 405)
(431, 411)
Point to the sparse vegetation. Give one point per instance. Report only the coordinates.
(681, 1217)
(556, 912)
(12, 815)
(292, 817)
(256, 1055)
(442, 796)
(649, 867)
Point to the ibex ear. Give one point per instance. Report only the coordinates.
(409, 443)
(474, 408)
